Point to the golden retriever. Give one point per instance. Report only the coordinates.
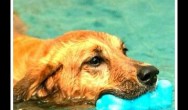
(77, 68)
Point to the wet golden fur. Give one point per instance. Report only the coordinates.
(60, 71)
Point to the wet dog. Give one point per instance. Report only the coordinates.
(77, 67)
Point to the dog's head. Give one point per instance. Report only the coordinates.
(83, 65)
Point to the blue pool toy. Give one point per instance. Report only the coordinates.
(160, 98)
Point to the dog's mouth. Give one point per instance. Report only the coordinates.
(122, 94)
(129, 93)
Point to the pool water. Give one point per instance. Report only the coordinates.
(146, 26)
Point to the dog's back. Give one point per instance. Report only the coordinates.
(25, 49)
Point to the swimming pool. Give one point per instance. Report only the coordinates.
(147, 27)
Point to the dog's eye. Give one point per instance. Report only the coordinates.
(125, 50)
(95, 61)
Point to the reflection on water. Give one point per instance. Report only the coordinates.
(37, 105)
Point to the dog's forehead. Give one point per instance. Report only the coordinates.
(108, 40)
(92, 37)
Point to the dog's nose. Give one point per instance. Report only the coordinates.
(148, 75)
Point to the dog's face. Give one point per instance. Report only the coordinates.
(94, 64)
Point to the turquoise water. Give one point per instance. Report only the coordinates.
(146, 26)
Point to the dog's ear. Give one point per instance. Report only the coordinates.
(32, 81)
